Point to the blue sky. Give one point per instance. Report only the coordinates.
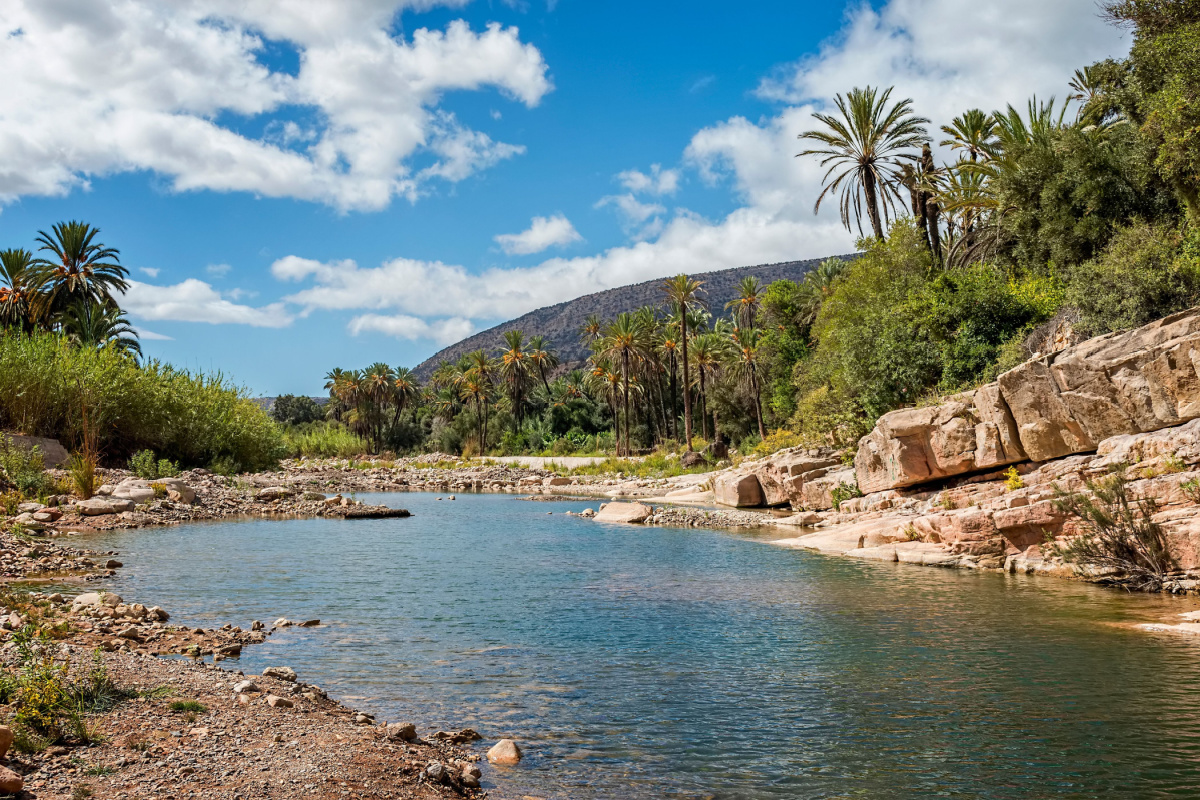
(296, 186)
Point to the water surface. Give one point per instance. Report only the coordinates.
(659, 662)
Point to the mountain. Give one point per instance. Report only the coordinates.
(560, 323)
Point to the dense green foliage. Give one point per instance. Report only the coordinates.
(288, 409)
(47, 385)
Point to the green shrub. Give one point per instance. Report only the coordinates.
(1147, 272)
(843, 492)
(195, 419)
(146, 465)
(24, 468)
(322, 440)
(189, 706)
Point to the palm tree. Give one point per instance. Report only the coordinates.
(406, 391)
(477, 383)
(590, 330)
(514, 368)
(100, 326)
(863, 150)
(81, 268)
(668, 351)
(973, 132)
(683, 295)
(623, 342)
(707, 351)
(744, 364)
(377, 385)
(543, 356)
(18, 292)
(745, 305)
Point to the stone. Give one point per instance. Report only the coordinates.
(691, 459)
(130, 633)
(556, 480)
(633, 513)
(112, 563)
(245, 686)
(10, 782)
(273, 493)
(53, 453)
(505, 753)
(308, 623)
(109, 599)
(965, 433)
(274, 701)
(282, 622)
(782, 475)
(816, 494)
(402, 731)
(47, 515)
(156, 614)
(256, 625)
(98, 506)
(436, 772)
(739, 490)
(29, 508)
(804, 519)
(470, 776)
(280, 673)
(6, 740)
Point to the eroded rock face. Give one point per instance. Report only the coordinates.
(53, 453)
(1057, 405)
(969, 432)
(782, 476)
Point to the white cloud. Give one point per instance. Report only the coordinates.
(660, 181)
(543, 233)
(403, 326)
(196, 301)
(151, 271)
(639, 220)
(218, 270)
(152, 336)
(148, 80)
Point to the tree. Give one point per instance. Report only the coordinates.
(624, 343)
(683, 295)
(744, 364)
(745, 305)
(406, 392)
(973, 133)
(707, 353)
(288, 409)
(81, 269)
(18, 294)
(94, 324)
(543, 356)
(515, 368)
(863, 150)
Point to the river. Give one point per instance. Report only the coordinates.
(635, 662)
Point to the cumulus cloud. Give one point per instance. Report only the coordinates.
(152, 336)
(658, 181)
(196, 301)
(403, 326)
(542, 234)
(149, 83)
(639, 220)
(151, 271)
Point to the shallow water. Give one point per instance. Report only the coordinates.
(659, 662)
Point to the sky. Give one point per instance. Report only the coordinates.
(296, 185)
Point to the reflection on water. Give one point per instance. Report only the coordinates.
(660, 662)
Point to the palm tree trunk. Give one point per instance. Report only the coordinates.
(625, 382)
(687, 395)
(872, 212)
(703, 408)
(674, 399)
(762, 432)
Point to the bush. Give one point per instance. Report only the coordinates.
(288, 409)
(25, 468)
(195, 419)
(322, 440)
(1120, 537)
(146, 465)
(1147, 272)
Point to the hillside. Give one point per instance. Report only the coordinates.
(560, 323)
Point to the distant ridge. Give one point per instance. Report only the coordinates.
(560, 323)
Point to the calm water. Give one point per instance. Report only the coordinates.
(658, 662)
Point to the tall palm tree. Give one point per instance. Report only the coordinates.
(707, 350)
(478, 374)
(624, 343)
(18, 294)
(80, 268)
(744, 365)
(863, 150)
(589, 331)
(683, 295)
(668, 352)
(406, 392)
(515, 370)
(543, 356)
(100, 326)
(745, 306)
(973, 133)
(378, 385)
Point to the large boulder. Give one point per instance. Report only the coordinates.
(816, 494)
(967, 432)
(53, 453)
(99, 506)
(624, 512)
(740, 490)
(782, 475)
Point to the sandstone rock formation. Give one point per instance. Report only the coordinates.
(624, 512)
(1053, 406)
